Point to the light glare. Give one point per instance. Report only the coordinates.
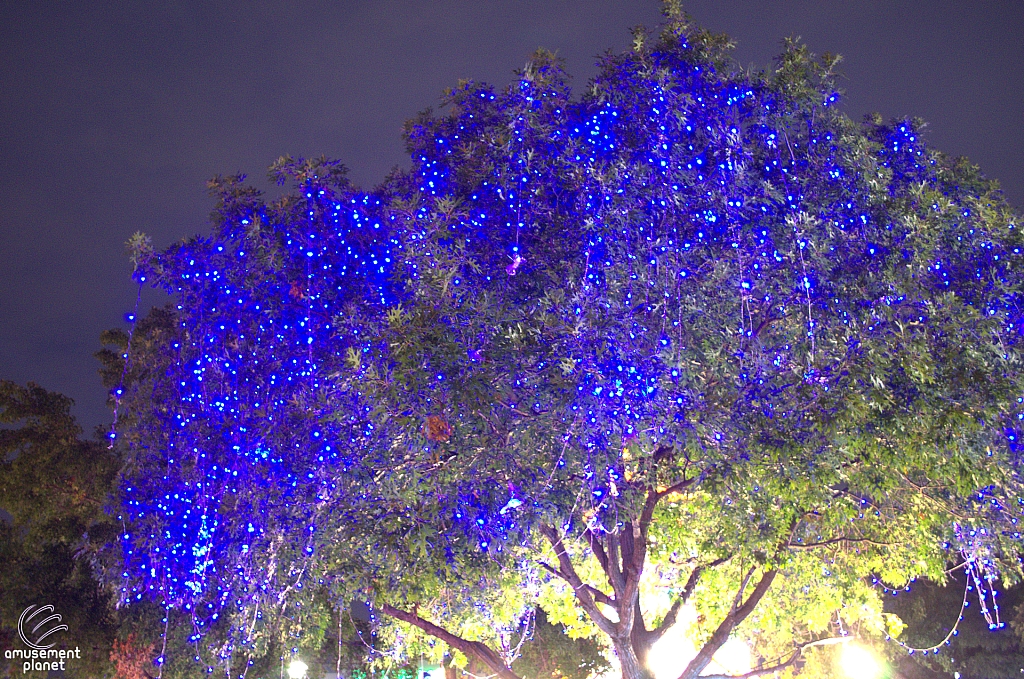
(857, 662)
(297, 669)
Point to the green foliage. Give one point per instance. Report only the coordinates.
(552, 654)
(930, 610)
(53, 486)
(695, 338)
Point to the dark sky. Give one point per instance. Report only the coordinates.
(114, 114)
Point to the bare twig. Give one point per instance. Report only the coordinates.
(782, 665)
(833, 541)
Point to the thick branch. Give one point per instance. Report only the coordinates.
(678, 486)
(615, 567)
(647, 515)
(654, 496)
(597, 548)
(764, 322)
(599, 596)
(684, 596)
(580, 589)
(474, 649)
(633, 548)
(735, 617)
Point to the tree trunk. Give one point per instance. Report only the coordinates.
(640, 637)
(642, 652)
(631, 666)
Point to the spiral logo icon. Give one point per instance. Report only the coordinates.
(35, 626)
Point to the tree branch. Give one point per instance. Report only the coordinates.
(580, 589)
(825, 543)
(474, 649)
(71, 494)
(782, 665)
(650, 504)
(599, 596)
(597, 548)
(735, 617)
(678, 486)
(684, 596)
(758, 672)
(743, 588)
(755, 597)
(633, 547)
(615, 575)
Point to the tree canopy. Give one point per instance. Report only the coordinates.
(53, 487)
(691, 342)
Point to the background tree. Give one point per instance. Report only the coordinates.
(693, 340)
(53, 487)
(930, 612)
(551, 652)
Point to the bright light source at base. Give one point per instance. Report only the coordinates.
(297, 669)
(670, 654)
(734, 657)
(857, 662)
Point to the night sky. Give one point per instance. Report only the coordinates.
(114, 114)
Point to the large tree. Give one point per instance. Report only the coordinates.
(693, 340)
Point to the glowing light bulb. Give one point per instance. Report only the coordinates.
(297, 669)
